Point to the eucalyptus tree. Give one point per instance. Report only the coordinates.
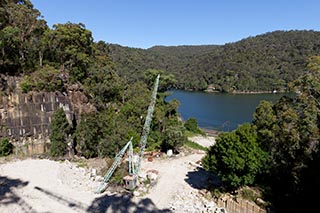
(21, 27)
(71, 46)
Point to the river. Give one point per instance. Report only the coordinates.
(219, 111)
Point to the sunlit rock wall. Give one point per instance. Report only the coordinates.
(25, 117)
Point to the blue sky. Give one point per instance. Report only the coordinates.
(145, 23)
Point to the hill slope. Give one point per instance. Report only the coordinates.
(261, 63)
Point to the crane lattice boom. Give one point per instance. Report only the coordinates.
(143, 141)
(146, 127)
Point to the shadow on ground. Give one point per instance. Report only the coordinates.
(201, 179)
(123, 203)
(8, 195)
(106, 203)
(69, 202)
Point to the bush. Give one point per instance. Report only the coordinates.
(6, 147)
(173, 136)
(192, 125)
(236, 157)
(45, 79)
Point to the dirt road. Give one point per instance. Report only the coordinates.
(40, 185)
(176, 176)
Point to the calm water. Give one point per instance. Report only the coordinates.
(219, 111)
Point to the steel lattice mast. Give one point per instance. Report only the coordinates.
(146, 127)
(116, 163)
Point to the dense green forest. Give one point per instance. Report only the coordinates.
(278, 152)
(262, 63)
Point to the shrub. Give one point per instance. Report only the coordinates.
(236, 157)
(6, 147)
(192, 125)
(45, 79)
(173, 136)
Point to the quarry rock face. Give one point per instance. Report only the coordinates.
(25, 117)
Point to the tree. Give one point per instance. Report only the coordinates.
(173, 135)
(45, 78)
(289, 132)
(60, 133)
(264, 120)
(104, 86)
(87, 135)
(20, 32)
(192, 125)
(236, 157)
(167, 80)
(102, 133)
(71, 46)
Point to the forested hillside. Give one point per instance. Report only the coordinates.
(262, 63)
(64, 59)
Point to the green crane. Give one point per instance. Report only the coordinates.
(116, 163)
(147, 123)
(133, 173)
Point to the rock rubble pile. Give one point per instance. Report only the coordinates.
(80, 178)
(193, 202)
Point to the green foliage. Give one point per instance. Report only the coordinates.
(192, 125)
(87, 136)
(289, 132)
(251, 64)
(105, 132)
(117, 80)
(167, 80)
(72, 47)
(6, 147)
(21, 27)
(60, 133)
(236, 157)
(45, 79)
(102, 134)
(174, 136)
(104, 86)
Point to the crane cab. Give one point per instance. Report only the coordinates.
(130, 182)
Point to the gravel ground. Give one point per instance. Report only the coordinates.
(205, 141)
(41, 185)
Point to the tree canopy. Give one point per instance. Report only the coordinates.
(279, 151)
(60, 133)
(237, 157)
(264, 62)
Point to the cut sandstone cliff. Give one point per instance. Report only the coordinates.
(25, 117)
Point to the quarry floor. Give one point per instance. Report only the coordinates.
(42, 185)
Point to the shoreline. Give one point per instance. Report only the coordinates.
(211, 132)
(247, 92)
